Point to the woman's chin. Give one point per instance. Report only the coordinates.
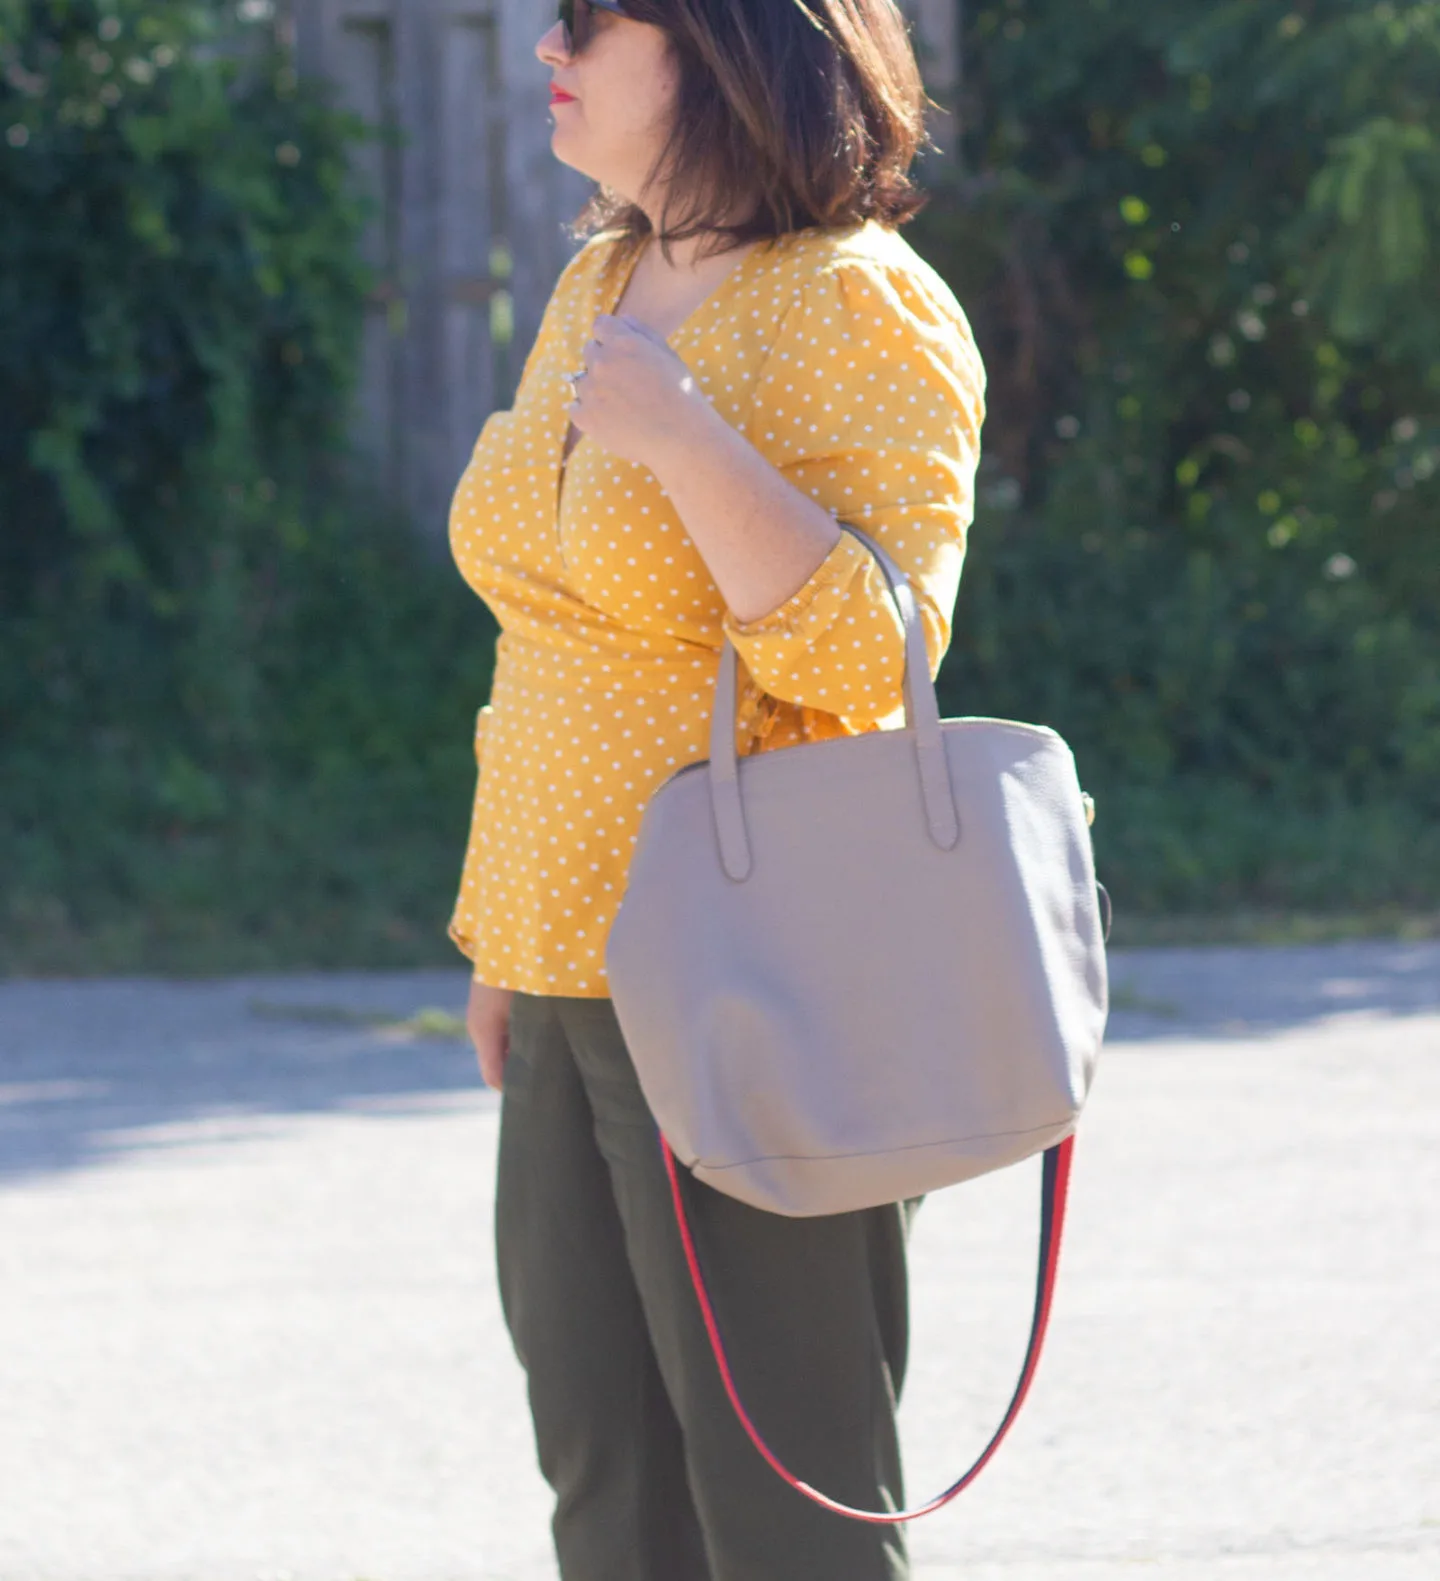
(559, 147)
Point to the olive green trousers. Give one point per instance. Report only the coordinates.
(654, 1477)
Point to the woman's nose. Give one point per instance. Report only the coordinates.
(550, 47)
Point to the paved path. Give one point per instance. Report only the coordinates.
(248, 1330)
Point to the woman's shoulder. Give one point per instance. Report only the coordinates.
(597, 252)
(871, 264)
(794, 257)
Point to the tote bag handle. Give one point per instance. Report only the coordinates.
(922, 719)
(1055, 1184)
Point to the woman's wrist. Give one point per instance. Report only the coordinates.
(694, 427)
(760, 536)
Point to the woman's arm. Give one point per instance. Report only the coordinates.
(487, 1020)
(760, 536)
(868, 409)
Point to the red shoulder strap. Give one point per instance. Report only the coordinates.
(1054, 1189)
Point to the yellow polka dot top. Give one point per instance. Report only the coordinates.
(846, 361)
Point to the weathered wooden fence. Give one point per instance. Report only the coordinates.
(468, 238)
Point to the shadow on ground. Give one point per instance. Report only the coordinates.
(1240, 992)
(93, 1072)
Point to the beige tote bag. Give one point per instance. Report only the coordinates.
(857, 970)
(854, 971)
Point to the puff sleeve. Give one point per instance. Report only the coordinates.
(871, 402)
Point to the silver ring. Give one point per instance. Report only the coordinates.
(570, 378)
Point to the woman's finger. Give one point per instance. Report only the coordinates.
(646, 331)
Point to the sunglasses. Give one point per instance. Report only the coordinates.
(575, 19)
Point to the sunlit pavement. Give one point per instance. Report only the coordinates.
(249, 1331)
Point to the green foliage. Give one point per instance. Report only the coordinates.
(234, 706)
(180, 299)
(1198, 243)
(129, 838)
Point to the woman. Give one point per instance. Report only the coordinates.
(743, 351)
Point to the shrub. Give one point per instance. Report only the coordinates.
(180, 302)
(234, 700)
(1197, 241)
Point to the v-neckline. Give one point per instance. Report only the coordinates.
(611, 300)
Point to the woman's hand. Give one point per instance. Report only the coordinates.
(637, 397)
(487, 1020)
(761, 536)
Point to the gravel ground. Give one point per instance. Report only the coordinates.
(249, 1330)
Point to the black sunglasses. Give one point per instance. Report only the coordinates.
(575, 19)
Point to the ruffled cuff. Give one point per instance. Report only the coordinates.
(835, 573)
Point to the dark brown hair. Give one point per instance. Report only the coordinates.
(789, 114)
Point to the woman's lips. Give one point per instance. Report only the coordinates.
(559, 97)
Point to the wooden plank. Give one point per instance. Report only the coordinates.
(541, 194)
(419, 419)
(469, 88)
(935, 35)
(361, 62)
